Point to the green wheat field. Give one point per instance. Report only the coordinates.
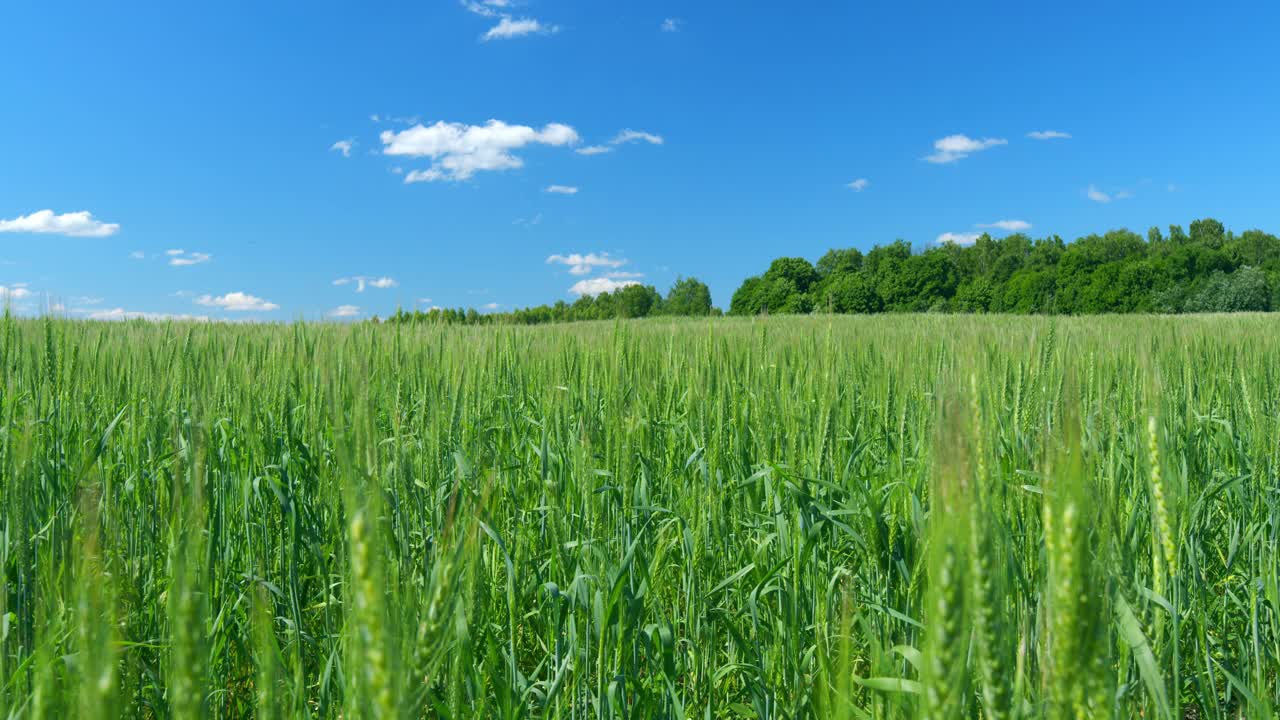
(889, 517)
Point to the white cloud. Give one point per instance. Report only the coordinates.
(178, 258)
(459, 151)
(859, 185)
(237, 302)
(1048, 135)
(74, 224)
(16, 291)
(485, 8)
(508, 28)
(562, 189)
(137, 255)
(629, 135)
(958, 147)
(122, 314)
(583, 264)
(594, 150)
(671, 25)
(964, 238)
(344, 311)
(1098, 196)
(620, 275)
(1009, 225)
(360, 281)
(595, 286)
(343, 146)
(490, 307)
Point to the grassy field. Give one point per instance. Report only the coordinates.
(899, 516)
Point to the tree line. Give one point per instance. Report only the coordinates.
(1205, 268)
(687, 297)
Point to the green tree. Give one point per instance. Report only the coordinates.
(688, 296)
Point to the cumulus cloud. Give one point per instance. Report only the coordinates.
(580, 264)
(595, 286)
(1009, 225)
(344, 311)
(344, 147)
(459, 151)
(509, 27)
(74, 224)
(859, 185)
(672, 25)
(958, 147)
(562, 189)
(16, 291)
(964, 238)
(1048, 135)
(181, 258)
(237, 302)
(360, 281)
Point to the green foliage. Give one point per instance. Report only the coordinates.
(1210, 270)
(687, 297)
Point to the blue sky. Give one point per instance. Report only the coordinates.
(728, 133)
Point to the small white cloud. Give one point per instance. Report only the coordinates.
(16, 291)
(562, 189)
(630, 136)
(958, 147)
(344, 147)
(594, 150)
(1048, 135)
(1009, 225)
(138, 255)
(964, 238)
(859, 185)
(509, 27)
(672, 25)
(595, 286)
(490, 307)
(425, 301)
(622, 275)
(459, 151)
(237, 302)
(360, 281)
(580, 264)
(375, 117)
(344, 311)
(74, 224)
(117, 314)
(1098, 196)
(178, 258)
